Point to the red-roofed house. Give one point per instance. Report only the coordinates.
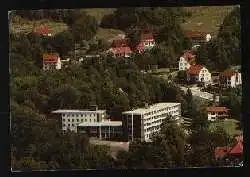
(198, 37)
(187, 59)
(51, 61)
(147, 41)
(43, 30)
(215, 113)
(233, 153)
(230, 78)
(198, 73)
(120, 48)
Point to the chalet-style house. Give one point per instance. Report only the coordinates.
(120, 48)
(230, 78)
(147, 41)
(187, 59)
(198, 38)
(198, 73)
(217, 113)
(51, 61)
(43, 30)
(232, 155)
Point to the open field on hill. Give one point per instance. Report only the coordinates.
(206, 18)
(25, 26)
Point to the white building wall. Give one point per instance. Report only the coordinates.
(59, 64)
(183, 64)
(204, 75)
(71, 120)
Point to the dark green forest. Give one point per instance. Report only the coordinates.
(113, 84)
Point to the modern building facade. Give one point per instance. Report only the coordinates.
(93, 122)
(142, 123)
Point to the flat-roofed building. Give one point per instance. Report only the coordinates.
(143, 122)
(72, 118)
(103, 130)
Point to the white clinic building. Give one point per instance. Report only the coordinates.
(143, 122)
(93, 122)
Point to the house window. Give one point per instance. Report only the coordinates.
(63, 120)
(64, 125)
(73, 125)
(68, 120)
(69, 125)
(85, 120)
(77, 115)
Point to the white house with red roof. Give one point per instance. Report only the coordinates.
(51, 61)
(43, 30)
(147, 41)
(186, 60)
(198, 73)
(230, 78)
(120, 48)
(215, 113)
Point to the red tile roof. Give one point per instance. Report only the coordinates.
(50, 58)
(228, 73)
(194, 69)
(120, 43)
(43, 30)
(189, 55)
(217, 109)
(140, 47)
(221, 152)
(237, 149)
(147, 36)
(196, 34)
(121, 50)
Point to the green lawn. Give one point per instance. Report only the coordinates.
(206, 18)
(25, 26)
(99, 13)
(229, 125)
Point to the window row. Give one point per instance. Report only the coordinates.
(80, 115)
(81, 120)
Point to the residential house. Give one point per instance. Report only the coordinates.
(233, 155)
(198, 38)
(216, 113)
(51, 61)
(230, 78)
(198, 73)
(120, 48)
(187, 59)
(43, 30)
(147, 41)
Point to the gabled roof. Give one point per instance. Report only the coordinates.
(120, 43)
(238, 148)
(189, 55)
(120, 50)
(221, 152)
(217, 109)
(228, 73)
(147, 36)
(140, 47)
(50, 58)
(43, 30)
(194, 69)
(196, 34)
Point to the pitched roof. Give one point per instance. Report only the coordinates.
(194, 69)
(147, 36)
(50, 58)
(228, 73)
(120, 43)
(217, 109)
(188, 55)
(43, 30)
(195, 34)
(140, 47)
(221, 152)
(120, 50)
(237, 149)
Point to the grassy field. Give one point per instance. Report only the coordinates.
(99, 13)
(25, 26)
(107, 33)
(206, 18)
(229, 125)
